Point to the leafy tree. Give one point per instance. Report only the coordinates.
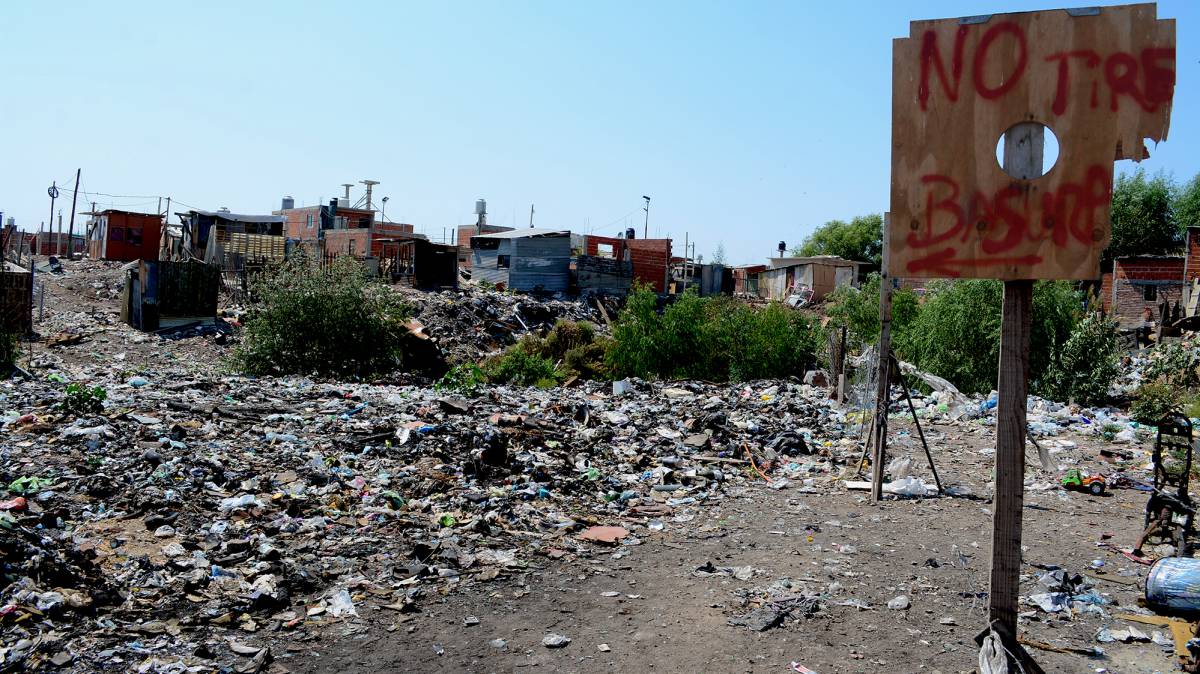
(1087, 364)
(718, 256)
(858, 309)
(861, 239)
(1187, 204)
(956, 334)
(1143, 216)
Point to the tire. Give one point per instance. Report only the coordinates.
(1096, 488)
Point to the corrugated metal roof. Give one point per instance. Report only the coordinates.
(527, 233)
(238, 217)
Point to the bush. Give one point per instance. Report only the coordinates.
(79, 399)
(520, 367)
(956, 334)
(10, 348)
(569, 349)
(713, 339)
(1175, 362)
(464, 378)
(323, 321)
(1087, 364)
(1154, 401)
(858, 309)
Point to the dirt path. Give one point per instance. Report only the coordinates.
(677, 622)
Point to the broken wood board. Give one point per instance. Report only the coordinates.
(1101, 79)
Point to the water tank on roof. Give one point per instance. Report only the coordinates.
(12, 222)
(480, 207)
(631, 233)
(288, 204)
(343, 202)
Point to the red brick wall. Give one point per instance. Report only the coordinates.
(1129, 277)
(649, 257)
(297, 222)
(338, 242)
(387, 230)
(1193, 253)
(1106, 292)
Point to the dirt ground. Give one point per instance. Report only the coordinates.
(645, 607)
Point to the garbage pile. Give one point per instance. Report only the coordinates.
(475, 322)
(178, 512)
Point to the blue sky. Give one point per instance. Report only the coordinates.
(746, 123)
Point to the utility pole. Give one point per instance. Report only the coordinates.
(60, 239)
(71, 231)
(531, 216)
(53, 192)
(163, 237)
(646, 226)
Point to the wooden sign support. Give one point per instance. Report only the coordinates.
(1103, 80)
(882, 397)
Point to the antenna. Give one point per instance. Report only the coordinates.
(369, 184)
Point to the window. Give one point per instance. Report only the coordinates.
(116, 234)
(135, 236)
(605, 250)
(502, 261)
(1150, 293)
(309, 221)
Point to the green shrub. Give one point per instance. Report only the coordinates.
(465, 378)
(1087, 364)
(713, 339)
(10, 348)
(520, 367)
(858, 309)
(330, 321)
(1155, 400)
(956, 334)
(79, 399)
(1175, 362)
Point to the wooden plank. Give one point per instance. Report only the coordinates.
(882, 390)
(1009, 494)
(1102, 81)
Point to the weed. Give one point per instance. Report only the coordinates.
(1154, 401)
(465, 378)
(79, 399)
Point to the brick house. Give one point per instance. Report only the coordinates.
(650, 257)
(1140, 282)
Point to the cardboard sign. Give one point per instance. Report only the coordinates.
(1101, 79)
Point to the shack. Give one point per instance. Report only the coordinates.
(170, 295)
(418, 262)
(214, 235)
(124, 236)
(16, 299)
(523, 259)
(808, 278)
(745, 279)
(1141, 282)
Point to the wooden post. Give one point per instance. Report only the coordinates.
(1022, 160)
(71, 230)
(885, 350)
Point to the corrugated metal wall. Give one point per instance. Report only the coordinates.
(541, 263)
(483, 263)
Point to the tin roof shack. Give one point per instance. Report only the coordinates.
(233, 239)
(419, 262)
(809, 278)
(650, 258)
(16, 299)
(170, 295)
(745, 279)
(465, 232)
(124, 236)
(524, 259)
(1141, 282)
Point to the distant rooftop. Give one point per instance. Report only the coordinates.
(528, 232)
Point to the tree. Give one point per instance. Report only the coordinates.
(718, 256)
(1187, 204)
(861, 239)
(1143, 216)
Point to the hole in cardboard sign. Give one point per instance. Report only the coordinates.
(1027, 131)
